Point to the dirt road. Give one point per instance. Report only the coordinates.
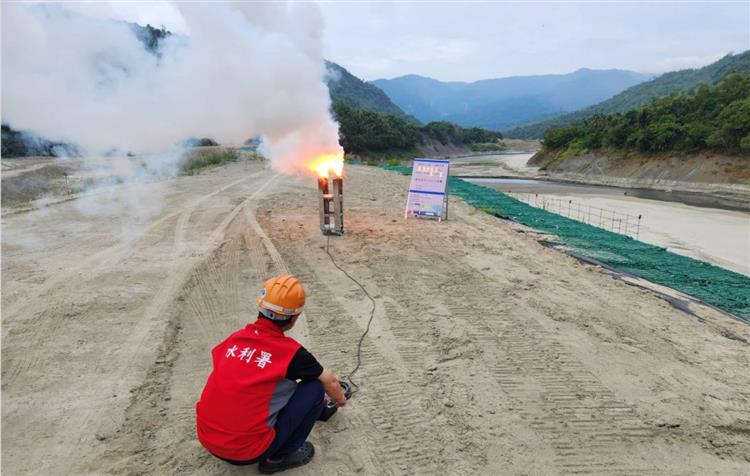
(489, 354)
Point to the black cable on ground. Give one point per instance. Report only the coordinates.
(355, 387)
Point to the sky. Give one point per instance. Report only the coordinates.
(468, 41)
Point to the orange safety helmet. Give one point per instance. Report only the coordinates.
(281, 298)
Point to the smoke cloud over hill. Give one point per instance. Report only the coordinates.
(241, 70)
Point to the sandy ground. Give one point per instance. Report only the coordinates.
(489, 353)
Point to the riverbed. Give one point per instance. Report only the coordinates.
(698, 225)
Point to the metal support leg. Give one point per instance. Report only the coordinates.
(338, 205)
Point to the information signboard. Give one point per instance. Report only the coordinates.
(428, 189)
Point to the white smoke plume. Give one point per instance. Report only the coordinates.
(240, 70)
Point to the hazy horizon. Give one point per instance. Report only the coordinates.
(514, 75)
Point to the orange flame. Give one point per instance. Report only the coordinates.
(324, 164)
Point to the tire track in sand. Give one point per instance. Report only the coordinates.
(400, 437)
(108, 257)
(589, 429)
(160, 429)
(45, 321)
(585, 425)
(89, 425)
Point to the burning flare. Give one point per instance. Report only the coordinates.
(323, 165)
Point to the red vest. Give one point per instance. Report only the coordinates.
(237, 410)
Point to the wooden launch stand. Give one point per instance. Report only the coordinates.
(331, 194)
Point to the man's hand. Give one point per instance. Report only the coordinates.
(332, 388)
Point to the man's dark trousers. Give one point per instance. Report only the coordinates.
(295, 422)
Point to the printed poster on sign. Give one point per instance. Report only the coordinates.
(428, 189)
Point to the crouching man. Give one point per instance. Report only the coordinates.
(266, 391)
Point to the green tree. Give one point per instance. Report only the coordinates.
(560, 137)
(696, 135)
(734, 123)
(745, 143)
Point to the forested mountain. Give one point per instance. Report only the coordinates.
(631, 98)
(372, 134)
(506, 102)
(715, 118)
(352, 91)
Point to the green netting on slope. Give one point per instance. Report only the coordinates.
(717, 286)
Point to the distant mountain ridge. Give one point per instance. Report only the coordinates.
(355, 93)
(505, 102)
(638, 95)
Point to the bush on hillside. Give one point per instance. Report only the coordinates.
(211, 158)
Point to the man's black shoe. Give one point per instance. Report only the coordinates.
(328, 410)
(303, 455)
